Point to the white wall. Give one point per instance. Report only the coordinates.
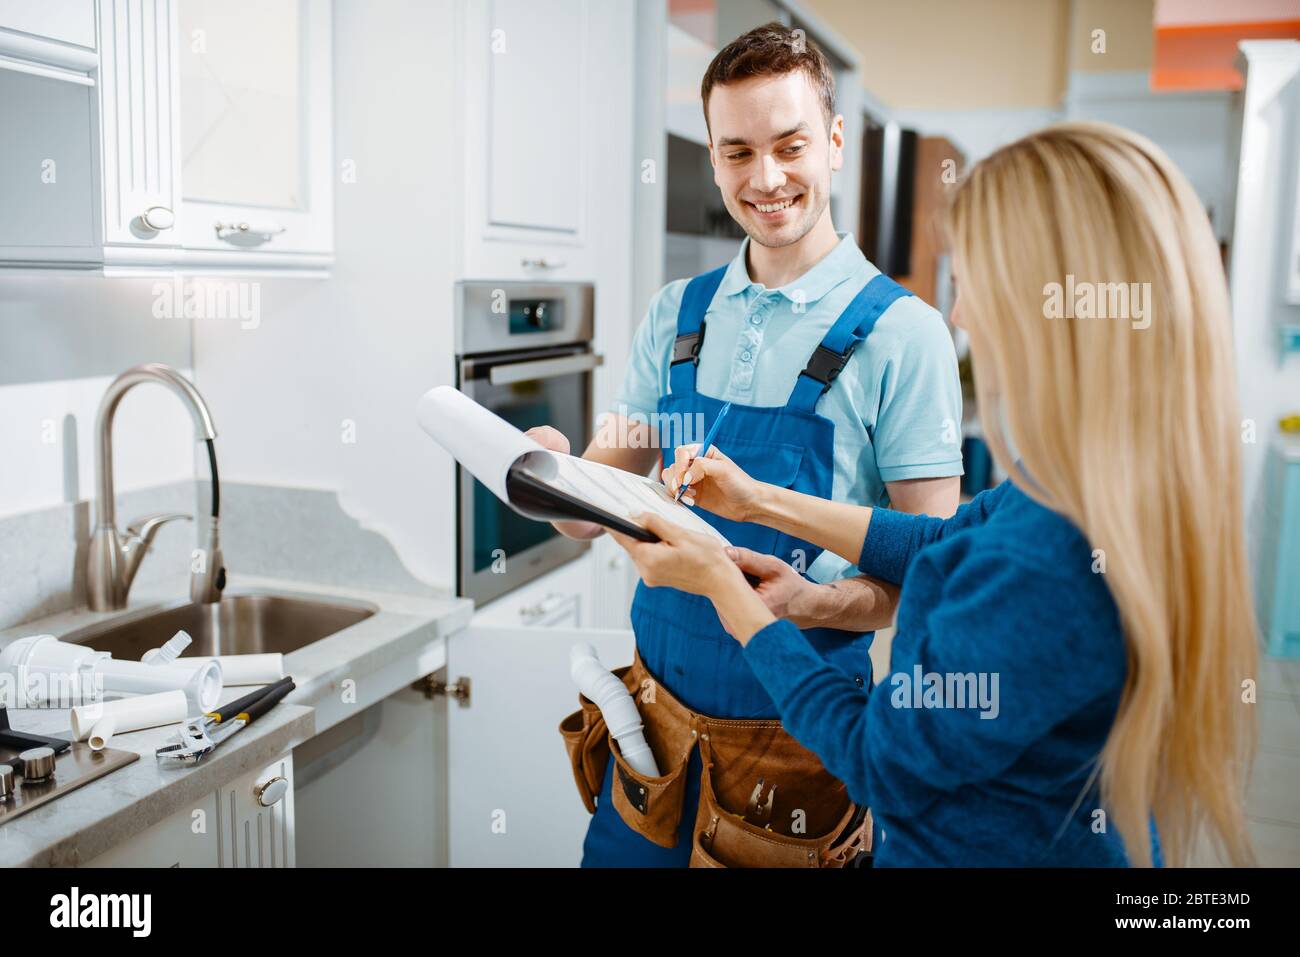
(363, 345)
(977, 132)
(650, 204)
(62, 340)
(1268, 382)
(1193, 128)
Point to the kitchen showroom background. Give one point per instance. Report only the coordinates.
(312, 375)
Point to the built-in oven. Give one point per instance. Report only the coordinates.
(524, 351)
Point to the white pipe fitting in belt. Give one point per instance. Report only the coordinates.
(619, 710)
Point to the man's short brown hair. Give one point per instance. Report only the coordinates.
(772, 50)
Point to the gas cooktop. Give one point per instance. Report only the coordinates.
(35, 769)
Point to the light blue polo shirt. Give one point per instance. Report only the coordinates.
(896, 406)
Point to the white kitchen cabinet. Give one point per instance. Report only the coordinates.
(138, 125)
(65, 21)
(246, 823)
(560, 597)
(48, 115)
(47, 166)
(183, 839)
(255, 818)
(371, 790)
(87, 176)
(256, 134)
(512, 801)
(106, 104)
(613, 581)
(541, 77)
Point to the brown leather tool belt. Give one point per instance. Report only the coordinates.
(765, 800)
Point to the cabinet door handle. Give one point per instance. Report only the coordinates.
(544, 607)
(247, 234)
(543, 263)
(158, 218)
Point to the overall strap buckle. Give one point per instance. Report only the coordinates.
(686, 348)
(825, 365)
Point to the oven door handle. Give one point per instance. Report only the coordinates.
(543, 368)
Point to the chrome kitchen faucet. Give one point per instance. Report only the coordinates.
(112, 562)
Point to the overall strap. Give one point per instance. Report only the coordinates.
(854, 325)
(690, 330)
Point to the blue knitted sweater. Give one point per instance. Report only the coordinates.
(1007, 668)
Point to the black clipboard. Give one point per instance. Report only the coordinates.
(535, 498)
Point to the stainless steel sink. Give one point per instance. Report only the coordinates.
(237, 625)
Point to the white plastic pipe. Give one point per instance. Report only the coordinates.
(619, 710)
(260, 669)
(202, 685)
(170, 651)
(42, 672)
(97, 723)
(39, 671)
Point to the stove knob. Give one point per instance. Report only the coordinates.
(6, 782)
(38, 765)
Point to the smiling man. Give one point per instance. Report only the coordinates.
(842, 385)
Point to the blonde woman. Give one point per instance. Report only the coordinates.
(1071, 646)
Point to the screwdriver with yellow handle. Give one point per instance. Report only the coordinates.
(201, 735)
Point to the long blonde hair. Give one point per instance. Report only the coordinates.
(1129, 427)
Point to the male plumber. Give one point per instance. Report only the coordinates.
(841, 383)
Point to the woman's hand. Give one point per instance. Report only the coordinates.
(700, 564)
(715, 483)
(685, 560)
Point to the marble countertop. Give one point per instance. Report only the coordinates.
(336, 677)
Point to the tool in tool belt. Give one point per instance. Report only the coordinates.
(203, 734)
(739, 821)
(760, 813)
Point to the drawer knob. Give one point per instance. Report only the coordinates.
(271, 792)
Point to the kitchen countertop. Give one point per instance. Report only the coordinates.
(336, 677)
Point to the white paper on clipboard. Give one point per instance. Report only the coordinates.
(488, 447)
(623, 493)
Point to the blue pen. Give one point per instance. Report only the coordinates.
(704, 449)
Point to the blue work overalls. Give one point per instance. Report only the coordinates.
(678, 635)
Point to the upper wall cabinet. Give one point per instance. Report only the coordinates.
(533, 90)
(256, 140)
(68, 22)
(137, 102)
(142, 134)
(49, 147)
